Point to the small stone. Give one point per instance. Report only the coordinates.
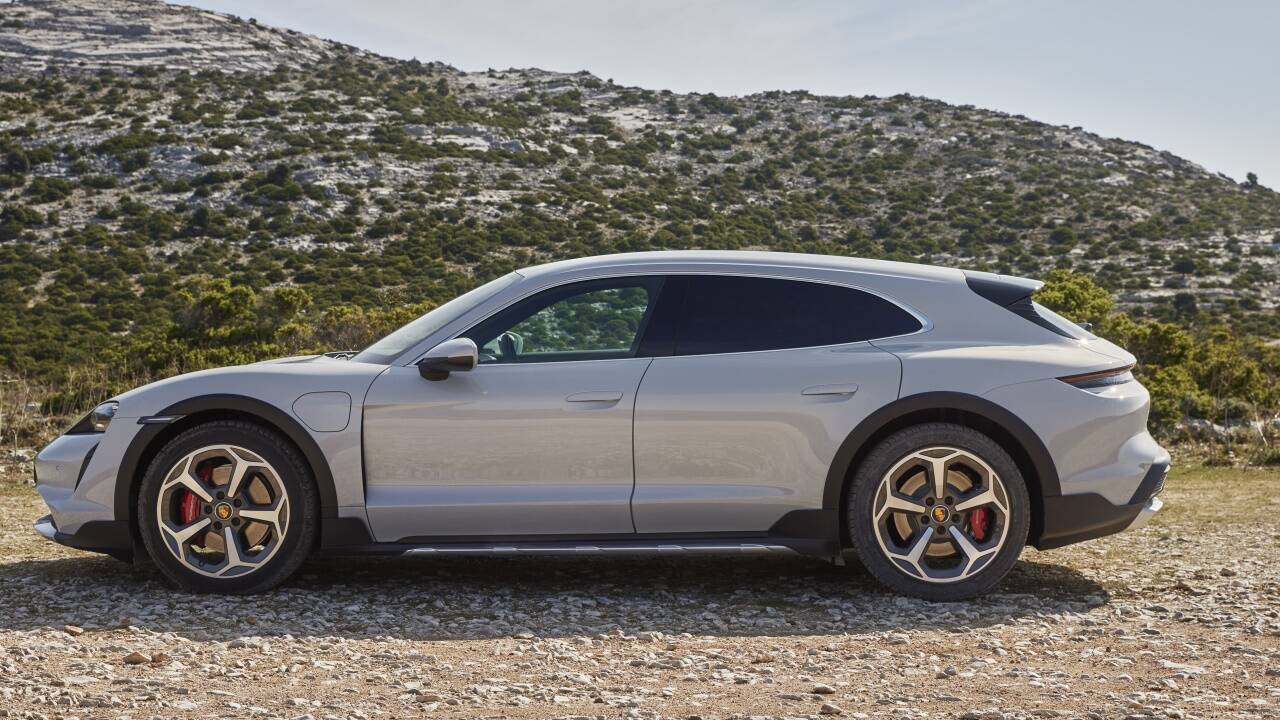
(1182, 668)
(830, 709)
(822, 689)
(136, 658)
(73, 630)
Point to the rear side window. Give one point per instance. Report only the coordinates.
(725, 314)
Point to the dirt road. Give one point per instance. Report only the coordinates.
(1179, 620)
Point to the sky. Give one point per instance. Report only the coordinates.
(1199, 79)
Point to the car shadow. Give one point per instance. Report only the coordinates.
(484, 598)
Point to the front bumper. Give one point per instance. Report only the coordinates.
(45, 527)
(75, 476)
(102, 536)
(1147, 512)
(1075, 518)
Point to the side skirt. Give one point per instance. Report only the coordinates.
(759, 546)
(813, 533)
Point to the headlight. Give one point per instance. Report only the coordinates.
(101, 416)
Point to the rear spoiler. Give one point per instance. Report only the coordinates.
(1014, 295)
(1002, 290)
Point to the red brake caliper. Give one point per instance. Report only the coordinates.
(190, 503)
(978, 523)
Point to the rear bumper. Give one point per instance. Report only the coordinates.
(1075, 518)
(1108, 466)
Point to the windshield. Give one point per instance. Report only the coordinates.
(386, 349)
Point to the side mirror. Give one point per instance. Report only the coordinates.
(457, 355)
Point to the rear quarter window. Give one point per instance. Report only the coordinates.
(725, 314)
(1061, 325)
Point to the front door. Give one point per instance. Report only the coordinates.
(535, 441)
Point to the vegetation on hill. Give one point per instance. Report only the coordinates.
(155, 221)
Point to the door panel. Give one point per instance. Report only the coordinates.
(733, 442)
(503, 450)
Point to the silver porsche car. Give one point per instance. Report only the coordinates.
(930, 422)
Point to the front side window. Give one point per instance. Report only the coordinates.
(386, 349)
(591, 320)
(725, 314)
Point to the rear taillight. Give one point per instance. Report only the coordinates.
(1101, 378)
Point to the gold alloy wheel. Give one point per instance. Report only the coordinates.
(222, 511)
(941, 514)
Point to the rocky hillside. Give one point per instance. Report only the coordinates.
(147, 149)
(44, 37)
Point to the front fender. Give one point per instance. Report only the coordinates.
(190, 412)
(274, 393)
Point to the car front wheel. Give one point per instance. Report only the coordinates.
(938, 511)
(228, 507)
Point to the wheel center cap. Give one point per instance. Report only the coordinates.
(939, 513)
(222, 510)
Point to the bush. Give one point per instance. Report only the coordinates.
(1269, 456)
(99, 182)
(47, 190)
(16, 218)
(1213, 373)
(1174, 396)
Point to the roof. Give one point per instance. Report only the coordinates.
(691, 259)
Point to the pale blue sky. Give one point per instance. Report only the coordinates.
(1200, 79)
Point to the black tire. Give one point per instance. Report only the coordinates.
(861, 499)
(295, 475)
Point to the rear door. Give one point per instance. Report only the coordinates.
(765, 379)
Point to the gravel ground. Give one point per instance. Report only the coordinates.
(1179, 620)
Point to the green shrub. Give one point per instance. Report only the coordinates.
(47, 190)
(1269, 456)
(1213, 373)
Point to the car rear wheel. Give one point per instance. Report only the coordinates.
(938, 511)
(228, 507)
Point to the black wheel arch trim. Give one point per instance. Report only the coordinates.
(127, 476)
(856, 443)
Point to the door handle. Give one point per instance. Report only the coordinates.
(848, 389)
(596, 396)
